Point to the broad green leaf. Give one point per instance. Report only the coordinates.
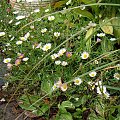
(106, 26)
(88, 38)
(27, 101)
(46, 86)
(67, 104)
(62, 109)
(116, 24)
(78, 113)
(84, 99)
(89, 33)
(84, 13)
(95, 8)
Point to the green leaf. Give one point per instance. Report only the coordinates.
(111, 117)
(116, 24)
(93, 116)
(42, 110)
(84, 13)
(114, 88)
(100, 109)
(95, 8)
(88, 37)
(27, 101)
(78, 113)
(46, 86)
(67, 104)
(106, 26)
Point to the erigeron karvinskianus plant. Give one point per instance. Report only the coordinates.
(61, 58)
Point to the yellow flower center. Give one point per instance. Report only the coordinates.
(7, 61)
(92, 74)
(85, 55)
(64, 86)
(47, 47)
(77, 81)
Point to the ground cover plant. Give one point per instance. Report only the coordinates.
(63, 60)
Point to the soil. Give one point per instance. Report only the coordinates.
(10, 113)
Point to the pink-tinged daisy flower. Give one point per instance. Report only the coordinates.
(64, 87)
(17, 62)
(68, 54)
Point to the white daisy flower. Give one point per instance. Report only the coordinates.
(98, 83)
(2, 100)
(113, 39)
(77, 81)
(85, 55)
(32, 27)
(64, 63)
(27, 35)
(5, 86)
(46, 47)
(101, 89)
(2, 34)
(56, 34)
(101, 34)
(10, 21)
(92, 74)
(96, 62)
(61, 51)
(47, 10)
(15, 12)
(58, 62)
(39, 46)
(54, 87)
(51, 18)
(54, 56)
(7, 60)
(17, 23)
(44, 30)
(117, 76)
(106, 94)
(12, 38)
(20, 17)
(23, 38)
(25, 59)
(19, 42)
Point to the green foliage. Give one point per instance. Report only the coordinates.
(64, 59)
